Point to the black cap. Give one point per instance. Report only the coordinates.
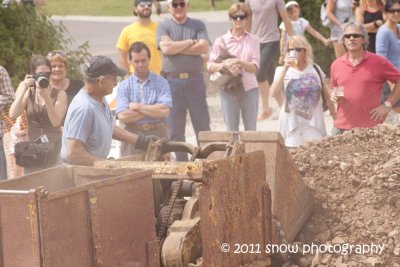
(102, 65)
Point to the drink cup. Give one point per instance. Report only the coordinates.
(293, 55)
(339, 92)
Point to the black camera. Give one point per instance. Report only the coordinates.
(42, 79)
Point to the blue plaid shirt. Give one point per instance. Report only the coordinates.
(155, 90)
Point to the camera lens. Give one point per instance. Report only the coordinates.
(43, 82)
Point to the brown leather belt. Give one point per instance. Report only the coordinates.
(147, 127)
(183, 75)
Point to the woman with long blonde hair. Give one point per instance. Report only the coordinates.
(303, 85)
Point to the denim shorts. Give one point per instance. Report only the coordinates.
(336, 32)
(269, 52)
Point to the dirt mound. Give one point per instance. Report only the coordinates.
(355, 180)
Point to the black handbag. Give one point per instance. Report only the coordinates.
(36, 153)
(30, 154)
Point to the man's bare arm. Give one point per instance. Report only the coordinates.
(200, 47)
(170, 48)
(130, 116)
(78, 155)
(157, 111)
(123, 135)
(286, 21)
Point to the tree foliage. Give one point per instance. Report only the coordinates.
(25, 31)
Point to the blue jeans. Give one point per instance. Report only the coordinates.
(3, 162)
(187, 94)
(232, 107)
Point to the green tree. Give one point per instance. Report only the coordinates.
(26, 30)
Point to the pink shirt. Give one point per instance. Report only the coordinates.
(362, 88)
(245, 48)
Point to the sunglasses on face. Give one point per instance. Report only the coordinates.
(354, 35)
(393, 11)
(239, 17)
(144, 4)
(56, 52)
(297, 49)
(176, 5)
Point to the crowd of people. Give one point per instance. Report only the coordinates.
(161, 68)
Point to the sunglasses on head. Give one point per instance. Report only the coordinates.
(56, 52)
(144, 4)
(297, 49)
(354, 35)
(239, 17)
(176, 5)
(393, 11)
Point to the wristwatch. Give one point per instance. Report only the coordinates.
(387, 104)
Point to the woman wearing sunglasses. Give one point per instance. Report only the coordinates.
(58, 78)
(388, 46)
(45, 106)
(303, 83)
(238, 52)
(388, 36)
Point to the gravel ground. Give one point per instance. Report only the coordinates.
(355, 180)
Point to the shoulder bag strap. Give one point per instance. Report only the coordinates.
(316, 67)
(32, 95)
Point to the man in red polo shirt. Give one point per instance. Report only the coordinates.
(361, 75)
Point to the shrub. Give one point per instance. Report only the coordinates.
(26, 30)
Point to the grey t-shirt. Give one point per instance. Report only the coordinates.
(264, 22)
(89, 122)
(191, 29)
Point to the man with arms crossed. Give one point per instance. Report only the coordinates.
(144, 99)
(89, 125)
(182, 41)
(361, 75)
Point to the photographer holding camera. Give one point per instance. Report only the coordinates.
(45, 108)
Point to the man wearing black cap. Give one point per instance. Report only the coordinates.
(89, 125)
(143, 30)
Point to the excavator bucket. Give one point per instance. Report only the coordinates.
(291, 199)
(78, 216)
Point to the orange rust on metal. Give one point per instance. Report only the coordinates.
(233, 209)
(85, 217)
(19, 230)
(291, 199)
